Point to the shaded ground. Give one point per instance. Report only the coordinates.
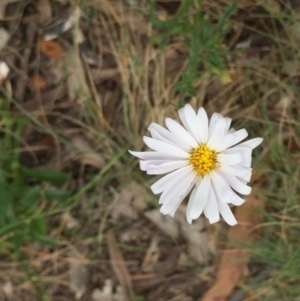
(88, 78)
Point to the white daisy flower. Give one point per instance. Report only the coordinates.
(203, 158)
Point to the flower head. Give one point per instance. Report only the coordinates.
(203, 158)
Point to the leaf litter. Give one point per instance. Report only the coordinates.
(235, 257)
(119, 266)
(68, 70)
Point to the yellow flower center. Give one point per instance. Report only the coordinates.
(203, 159)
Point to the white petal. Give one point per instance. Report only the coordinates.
(167, 181)
(144, 164)
(237, 200)
(233, 170)
(247, 163)
(160, 133)
(183, 119)
(213, 121)
(202, 125)
(245, 152)
(177, 202)
(199, 201)
(246, 177)
(177, 187)
(211, 209)
(228, 123)
(239, 136)
(253, 143)
(237, 185)
(165, 167)
(175, 196)
(242, 180)
(217, 133)
(180, 132)
(189, 206)
(234, 198)
(165, 148)
(221, 187)
(226, 213)
(224, 143)
(152, 155)
(229, 159)
(191, 119)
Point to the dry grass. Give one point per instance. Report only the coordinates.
(108, 83)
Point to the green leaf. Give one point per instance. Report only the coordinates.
(51, 176)
(227, 14)
(31, 194)
(39, 225)
(44, 239)
(59, 195)
(6, 197)
(4, 156)
(17, 240)
(137, 298)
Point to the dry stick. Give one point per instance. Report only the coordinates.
(119, 266)
(22, 80)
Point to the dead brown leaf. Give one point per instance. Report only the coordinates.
(119, 266)
(234, 261)
(51, 48)
(196, 236)
(125, 15)
(37, 82)
(151, 256)
(4, 37)
(128, 202)
(86, 154)
(45, 11)
(165, 223)
(78, 275)
(34, 105)
(77, 84)
(107, 293)
(3, 5)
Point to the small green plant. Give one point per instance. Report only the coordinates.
(204, 39)
(24, 191)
